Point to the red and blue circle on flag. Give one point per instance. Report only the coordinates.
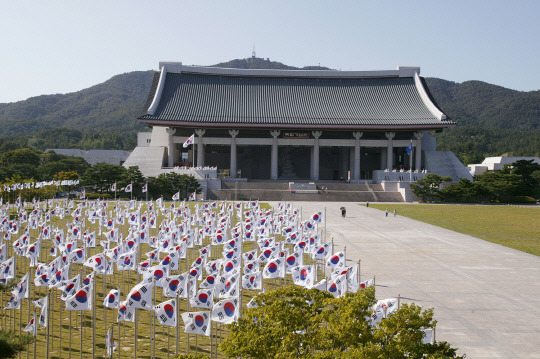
(229, 309)
(169, 310)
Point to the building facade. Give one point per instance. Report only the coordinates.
(361, 126)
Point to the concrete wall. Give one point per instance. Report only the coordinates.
(144, 139)
(445, 163)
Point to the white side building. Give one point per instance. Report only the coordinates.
(497, 163)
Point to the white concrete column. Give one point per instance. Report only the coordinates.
(418, 159)
(200, 147)
(390, 151)
(356, 173)
(233, 134)
(274, 158)
(315, 163)
(170, 147)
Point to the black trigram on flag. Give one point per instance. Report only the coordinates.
(192, 327)
(163, 318)
(73, 304)
(143, 289)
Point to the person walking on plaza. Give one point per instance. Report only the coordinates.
(395, 212)
(387, 212)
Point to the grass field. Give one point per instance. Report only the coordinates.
(511, 226)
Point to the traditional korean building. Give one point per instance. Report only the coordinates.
(291, 124)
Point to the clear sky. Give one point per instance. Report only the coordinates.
(50, 47)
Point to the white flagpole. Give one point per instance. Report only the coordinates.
(119, 347)
(35, 332)
(94, 316)
(177, 320)
(60, 326)
(29, 301)
(69, 355)
(105, 293)
(153, 320)
(47, 312)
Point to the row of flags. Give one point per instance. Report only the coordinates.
(29, 185)
(217, 232)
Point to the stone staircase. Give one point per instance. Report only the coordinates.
(279, 191)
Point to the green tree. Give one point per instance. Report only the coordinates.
(167, 184)
(134, 176)
(465, 191)
(20, 156)
(286, 324)
(102, 176)
(536, 176)
(62, 163)
(295, 322)
(526, 169)
(501, 184)
(20, 170)
(429, 186)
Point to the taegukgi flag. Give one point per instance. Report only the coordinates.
(226, 311)
(166, 312)
(125, 313)
(112, 300)
(189, 141)
(82, 300)
(197, 322)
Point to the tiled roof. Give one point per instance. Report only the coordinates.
(281, 101)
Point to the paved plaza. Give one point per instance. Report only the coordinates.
(486, 297)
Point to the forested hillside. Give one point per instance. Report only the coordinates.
(492, 120)
(111, 106)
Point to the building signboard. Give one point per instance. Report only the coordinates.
(295, 134)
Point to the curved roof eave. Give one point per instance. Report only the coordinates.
(231, 125)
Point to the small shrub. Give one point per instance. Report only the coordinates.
(98, 196)
(518, 199)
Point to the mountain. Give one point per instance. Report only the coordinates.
(476, 103)
(258, 63)
(492, 120)
(111, 106)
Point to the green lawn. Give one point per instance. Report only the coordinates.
(511, 226)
